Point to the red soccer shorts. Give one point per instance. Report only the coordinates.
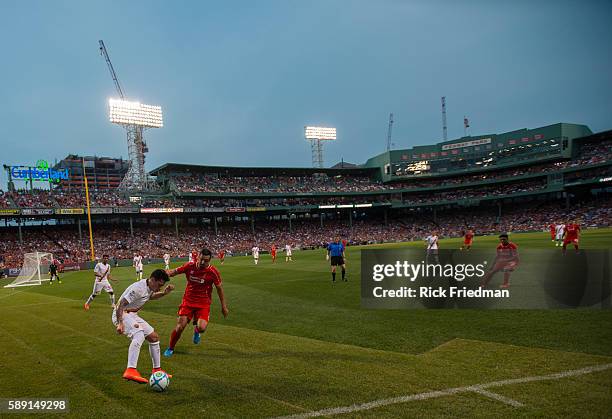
(504, 266)
(194, 312)
(570, 241)
(467, 242)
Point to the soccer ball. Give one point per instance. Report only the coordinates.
(159, 381)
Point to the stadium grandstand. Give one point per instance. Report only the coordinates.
(516, 181)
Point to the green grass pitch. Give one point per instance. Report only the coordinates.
(294, 344)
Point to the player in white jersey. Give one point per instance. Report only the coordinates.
(137, 264)
(559, 231)
(255, 251)
(288, 253)
(129, 323)
(167, 261)
(102, 273)
(432, 247)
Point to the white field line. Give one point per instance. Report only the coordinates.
(499, 398)
(448, 392)
(10, 295)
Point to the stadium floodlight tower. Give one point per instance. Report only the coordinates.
(135, 117)
(315, 135)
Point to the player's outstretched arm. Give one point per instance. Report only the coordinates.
(172, 272)
(221, 295)
(165, 291)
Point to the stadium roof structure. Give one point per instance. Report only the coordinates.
(261, 171)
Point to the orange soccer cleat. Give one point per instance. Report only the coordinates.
(132, 374)
(86, 307)
(154, 370)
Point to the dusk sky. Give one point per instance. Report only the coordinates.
(238, 80)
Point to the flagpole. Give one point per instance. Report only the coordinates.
(91, 245)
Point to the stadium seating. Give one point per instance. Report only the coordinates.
(236, 237)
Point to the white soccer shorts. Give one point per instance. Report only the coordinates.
(102, 285)
(133, 323)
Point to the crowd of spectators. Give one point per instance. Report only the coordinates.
(593, 153)
(153, 241)
(5, 200)
(589, 154)
(409, 198)
(276, 184)
(102, 198)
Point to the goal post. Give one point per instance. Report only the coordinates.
(33, 271)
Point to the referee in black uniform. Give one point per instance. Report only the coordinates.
(335, 251)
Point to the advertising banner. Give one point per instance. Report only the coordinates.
(37, 211)
(4, 211)
(101, 210)
(126, 210)
(69, 211)
(160, 210)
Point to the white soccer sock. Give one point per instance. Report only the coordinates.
(155, 356)
(90, 299)
(134, 351)
(112, 298)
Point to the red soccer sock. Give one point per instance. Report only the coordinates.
(506, 278)
(174, 338)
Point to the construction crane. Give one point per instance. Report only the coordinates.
(444, 129)
(104, 53)
(389, 131)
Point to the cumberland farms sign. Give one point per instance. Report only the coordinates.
(40, 173)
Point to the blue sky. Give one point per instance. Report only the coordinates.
(238, 80)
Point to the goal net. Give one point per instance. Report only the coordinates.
(34, 270)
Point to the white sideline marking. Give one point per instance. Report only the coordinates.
(478, 388)
(499, 397)
(10, 295)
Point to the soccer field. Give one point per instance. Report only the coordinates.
(294, 344)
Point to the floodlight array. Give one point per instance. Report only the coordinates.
(135, 113)
(319, 133)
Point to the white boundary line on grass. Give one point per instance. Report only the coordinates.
(478, 388)
(499, 398)
(10, 295)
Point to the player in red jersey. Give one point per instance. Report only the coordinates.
(467, 240)
(571, 236)
(201, 276)
(553, 231)
(221, 256)
(507, 260)
(273, 253)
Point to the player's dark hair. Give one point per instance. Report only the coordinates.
(104, 256)
(503, 235)
(206, 252)
(160, 274)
